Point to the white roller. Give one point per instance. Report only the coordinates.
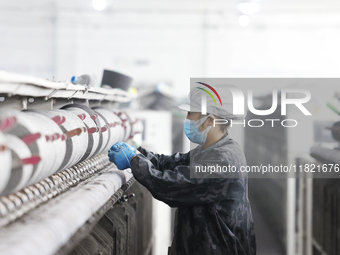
(115, 126)
(75, 134)
(6, 162)
(80, 141)
(126, 124)
(55, 145)
(40, 143)
(29, 131)
(93, 130)
(49, 153)
(136, 137)
(135, 123)
(22, 166)
(104, 132)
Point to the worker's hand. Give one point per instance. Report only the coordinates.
(121, 154)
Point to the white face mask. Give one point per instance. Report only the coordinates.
(191, 130)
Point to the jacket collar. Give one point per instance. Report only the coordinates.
(199, 151)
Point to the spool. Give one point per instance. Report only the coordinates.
(28, 130)
(136, 126)
(6, 162)
(55, 145)
(40, 143)
(74, 133)
(7, 123)
(126, 124)
(105, 132)
(115, 126)
(22, 164)
(89, 117)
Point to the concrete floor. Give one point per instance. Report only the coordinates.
(267, 243)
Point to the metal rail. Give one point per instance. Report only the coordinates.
(24, 85)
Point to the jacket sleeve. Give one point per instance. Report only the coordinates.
(162, 162)
(176, 188)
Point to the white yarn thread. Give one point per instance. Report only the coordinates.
(123, 116)
(57, 154)
(105, 135)
(20, 173)
(76, 145)
(6, 162)
(92, 138)
(26, 126)
(79, 141)
(56, 148)
(117, 131)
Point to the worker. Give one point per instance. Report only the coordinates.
(214, 215)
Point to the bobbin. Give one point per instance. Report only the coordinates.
(89, 117)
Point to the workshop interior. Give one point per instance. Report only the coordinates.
(78, 76)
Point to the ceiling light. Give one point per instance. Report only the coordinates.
(99, 5)
(243, 20)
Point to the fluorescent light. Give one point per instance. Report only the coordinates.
(99, 5)
(243, 20)
(248, 8)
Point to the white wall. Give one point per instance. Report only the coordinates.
(172, 41)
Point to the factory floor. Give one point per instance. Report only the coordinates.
(267, 243)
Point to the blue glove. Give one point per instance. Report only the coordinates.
(121, 154)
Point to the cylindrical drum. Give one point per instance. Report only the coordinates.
(136, 125)
(114, 124)
(126, 124)
(75, 133)
(6, 162)
(22, 164)
(28, 129)
(90, 119)
(55, 145)
(105, 133)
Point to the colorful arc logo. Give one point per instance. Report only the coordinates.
(209, 93)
